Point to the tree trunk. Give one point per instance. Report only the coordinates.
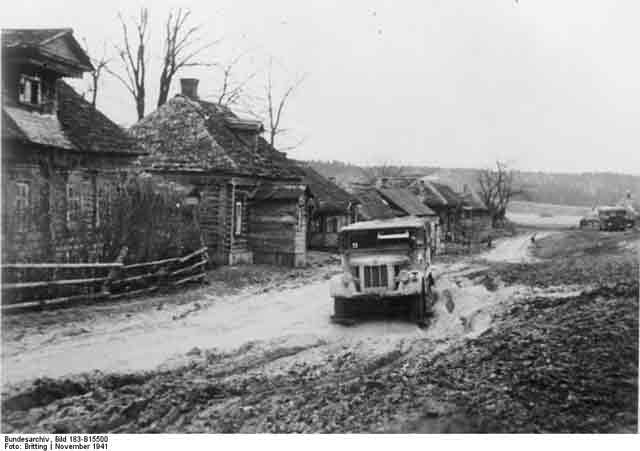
(140, 105)
(165, 84)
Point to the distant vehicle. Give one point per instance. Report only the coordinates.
(612, 218)
(386, 268)
(591, 221)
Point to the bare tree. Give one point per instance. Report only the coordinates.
(98, 66)
(276, 106)
(496, 188)
(134, 59)
(232, 91)
(181, 49)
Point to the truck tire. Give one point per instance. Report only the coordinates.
(418, 306)
(340, 307)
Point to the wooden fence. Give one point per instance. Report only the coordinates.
(27, 285)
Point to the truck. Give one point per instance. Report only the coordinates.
(386, 269)
(613, 218)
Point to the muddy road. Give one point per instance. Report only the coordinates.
(169, 335)
(540, 339)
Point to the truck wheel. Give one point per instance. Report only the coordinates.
(339, 307)
(422, 305)
(413, 308)
(417, 306)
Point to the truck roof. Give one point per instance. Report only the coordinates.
(611, 208)
(394, 223)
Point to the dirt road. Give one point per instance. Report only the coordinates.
(538, 345)
(288, 315)
(516, 249)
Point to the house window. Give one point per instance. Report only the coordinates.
(22, 203)
(237, 229)
(74, 205)
(30, 90)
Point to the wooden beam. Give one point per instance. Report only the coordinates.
(52, 282)
(189, 268)
(53, 301)
(153, 263)
(59, 265)
(133, 293)
(193, 254)
(188, 279)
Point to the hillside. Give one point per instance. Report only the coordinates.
(584, 189)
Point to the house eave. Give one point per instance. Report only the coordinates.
(28, 54)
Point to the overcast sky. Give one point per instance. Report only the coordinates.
(550, 85)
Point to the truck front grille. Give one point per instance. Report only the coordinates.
(375, 276)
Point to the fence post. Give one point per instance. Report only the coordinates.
(114, 272)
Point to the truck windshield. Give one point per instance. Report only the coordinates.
(379, 238)
(612, 213)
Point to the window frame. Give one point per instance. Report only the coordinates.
(332, 225)
(22, 89)
(22, 202)
(73, 205)
(237, 217)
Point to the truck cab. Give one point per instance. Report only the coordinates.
(612, 218)
(386, 268)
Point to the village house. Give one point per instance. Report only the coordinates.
(253, 203)
(443, 201)
(371, 205)
(333, 209)
(475, 221)
(389, 202)
(59, 154)
(404, 203)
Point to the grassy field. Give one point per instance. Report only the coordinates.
(547, 209)
(545, 215)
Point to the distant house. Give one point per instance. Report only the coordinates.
(443, 201)
(59, 154)
(334, 208)
(372, 205)
(475, 220)
(405, 203)
(387, 203)
(253, 204)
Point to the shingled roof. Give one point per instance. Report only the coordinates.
(198, 136)
(449, 194)
(31, 36)
(406, 201)
(372, 205)
(77, 126)
(471, 200)
(330, 197)
(438, 194)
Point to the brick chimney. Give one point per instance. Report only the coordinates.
(189, 87)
